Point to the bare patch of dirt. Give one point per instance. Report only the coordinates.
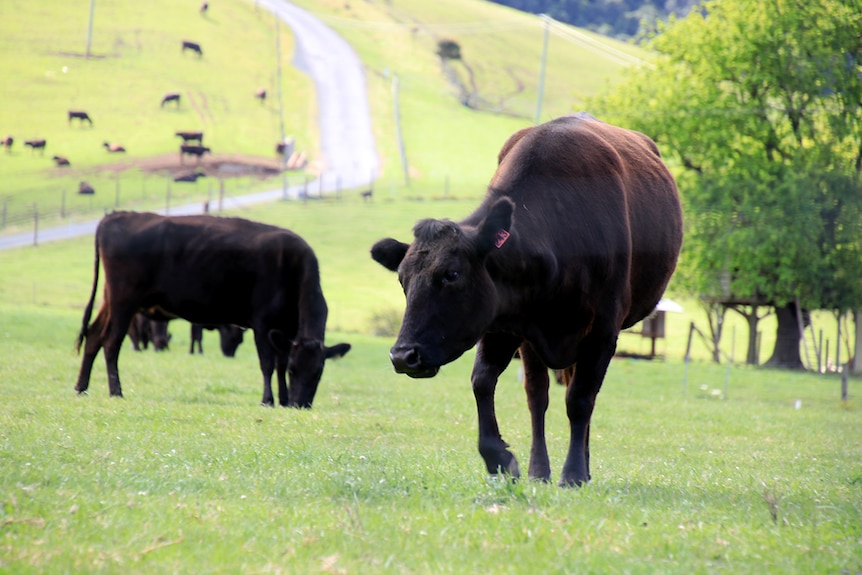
(213, 165)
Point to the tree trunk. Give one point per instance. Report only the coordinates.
(786, 352)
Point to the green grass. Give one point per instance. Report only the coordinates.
(383, 476)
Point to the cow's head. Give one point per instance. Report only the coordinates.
(230, 336)
(451, 298)
(305, 361)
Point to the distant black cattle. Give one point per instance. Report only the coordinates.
(86, 189)
(143, 331)
(7, 143)
(204, 7)
(191, 137)
(261, 95)
(80, 116)
(193, 46)
(38, 144)
(576, 238)
(188, 150)
(212, 271)
(189, 177)
(113, 148)
(61, 161)
(171, 97)
(230, 336)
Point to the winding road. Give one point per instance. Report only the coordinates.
(348, 152)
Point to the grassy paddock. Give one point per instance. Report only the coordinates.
(382, 476)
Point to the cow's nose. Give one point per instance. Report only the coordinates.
(405, 358)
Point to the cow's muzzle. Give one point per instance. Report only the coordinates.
(408, 360)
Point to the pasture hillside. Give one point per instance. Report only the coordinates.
(135, 60)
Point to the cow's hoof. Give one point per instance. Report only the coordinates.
(267, 404)
(81, 392)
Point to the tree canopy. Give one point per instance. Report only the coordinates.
(760, 105)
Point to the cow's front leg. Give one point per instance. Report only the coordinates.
(281, 370)
(266, 357)
(536, 385)
(493, 355)
(594, 356)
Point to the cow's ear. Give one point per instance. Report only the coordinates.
(279, 341)
(389, 253)
(337, 351)
(495, 229)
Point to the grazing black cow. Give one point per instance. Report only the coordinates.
(212, 271)
(576, 239)
(80, 116)
(113, 148)
(261, 95)
(38, 144)
(7, 143)
(193, 46)
(144, 330)
(189, 177)
(204, 7)
(61, 161)
(86, 189)
(191, 137)
(171, 97)
(230, 336)
(198, 151)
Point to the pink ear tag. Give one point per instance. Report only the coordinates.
(502, 236)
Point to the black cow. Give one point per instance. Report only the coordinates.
(171, 97)
(576, 239)
(7, 143)
(189, 177)
(80, 116)
(113, 148)
(191, 137)
(61, 161)
(212, 271)
(86, 189)
(230, 336)
(143, 330)
(198, 151)
(37, 144)
(193, 46)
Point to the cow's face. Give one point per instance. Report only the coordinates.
(451, 298)
(305, 367)
(230, 336)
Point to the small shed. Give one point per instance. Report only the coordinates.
(653, 326)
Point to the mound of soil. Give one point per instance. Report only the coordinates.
(213, 165)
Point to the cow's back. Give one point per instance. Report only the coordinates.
(599, 204)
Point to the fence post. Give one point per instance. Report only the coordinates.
(3, 224)
(63, 205)
(117, 191)
(844, 382)
(220, 192)
(168, 199)
(35, 224)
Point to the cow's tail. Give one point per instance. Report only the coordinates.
(89, 309)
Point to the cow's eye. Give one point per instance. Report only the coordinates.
(450, 277)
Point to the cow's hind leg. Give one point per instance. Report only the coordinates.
(118, 326)
(594, 356)
(536, 385)
(493, 355)
(266, 357)
(92, 345)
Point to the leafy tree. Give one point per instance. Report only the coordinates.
(760, 103)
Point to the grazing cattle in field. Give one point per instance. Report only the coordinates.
(261, 95)
(86, 189)
(193, 46)
(61, 161)
(191, 137)
(576, 239)
(367, 195)
(198, 151)
(7, 143)
(230, 336)
(171, 97)
(189, 177)
(80, 116)
(204, 7)
(212, 271)
(38, 144)
(144, 330)
(113, 148)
